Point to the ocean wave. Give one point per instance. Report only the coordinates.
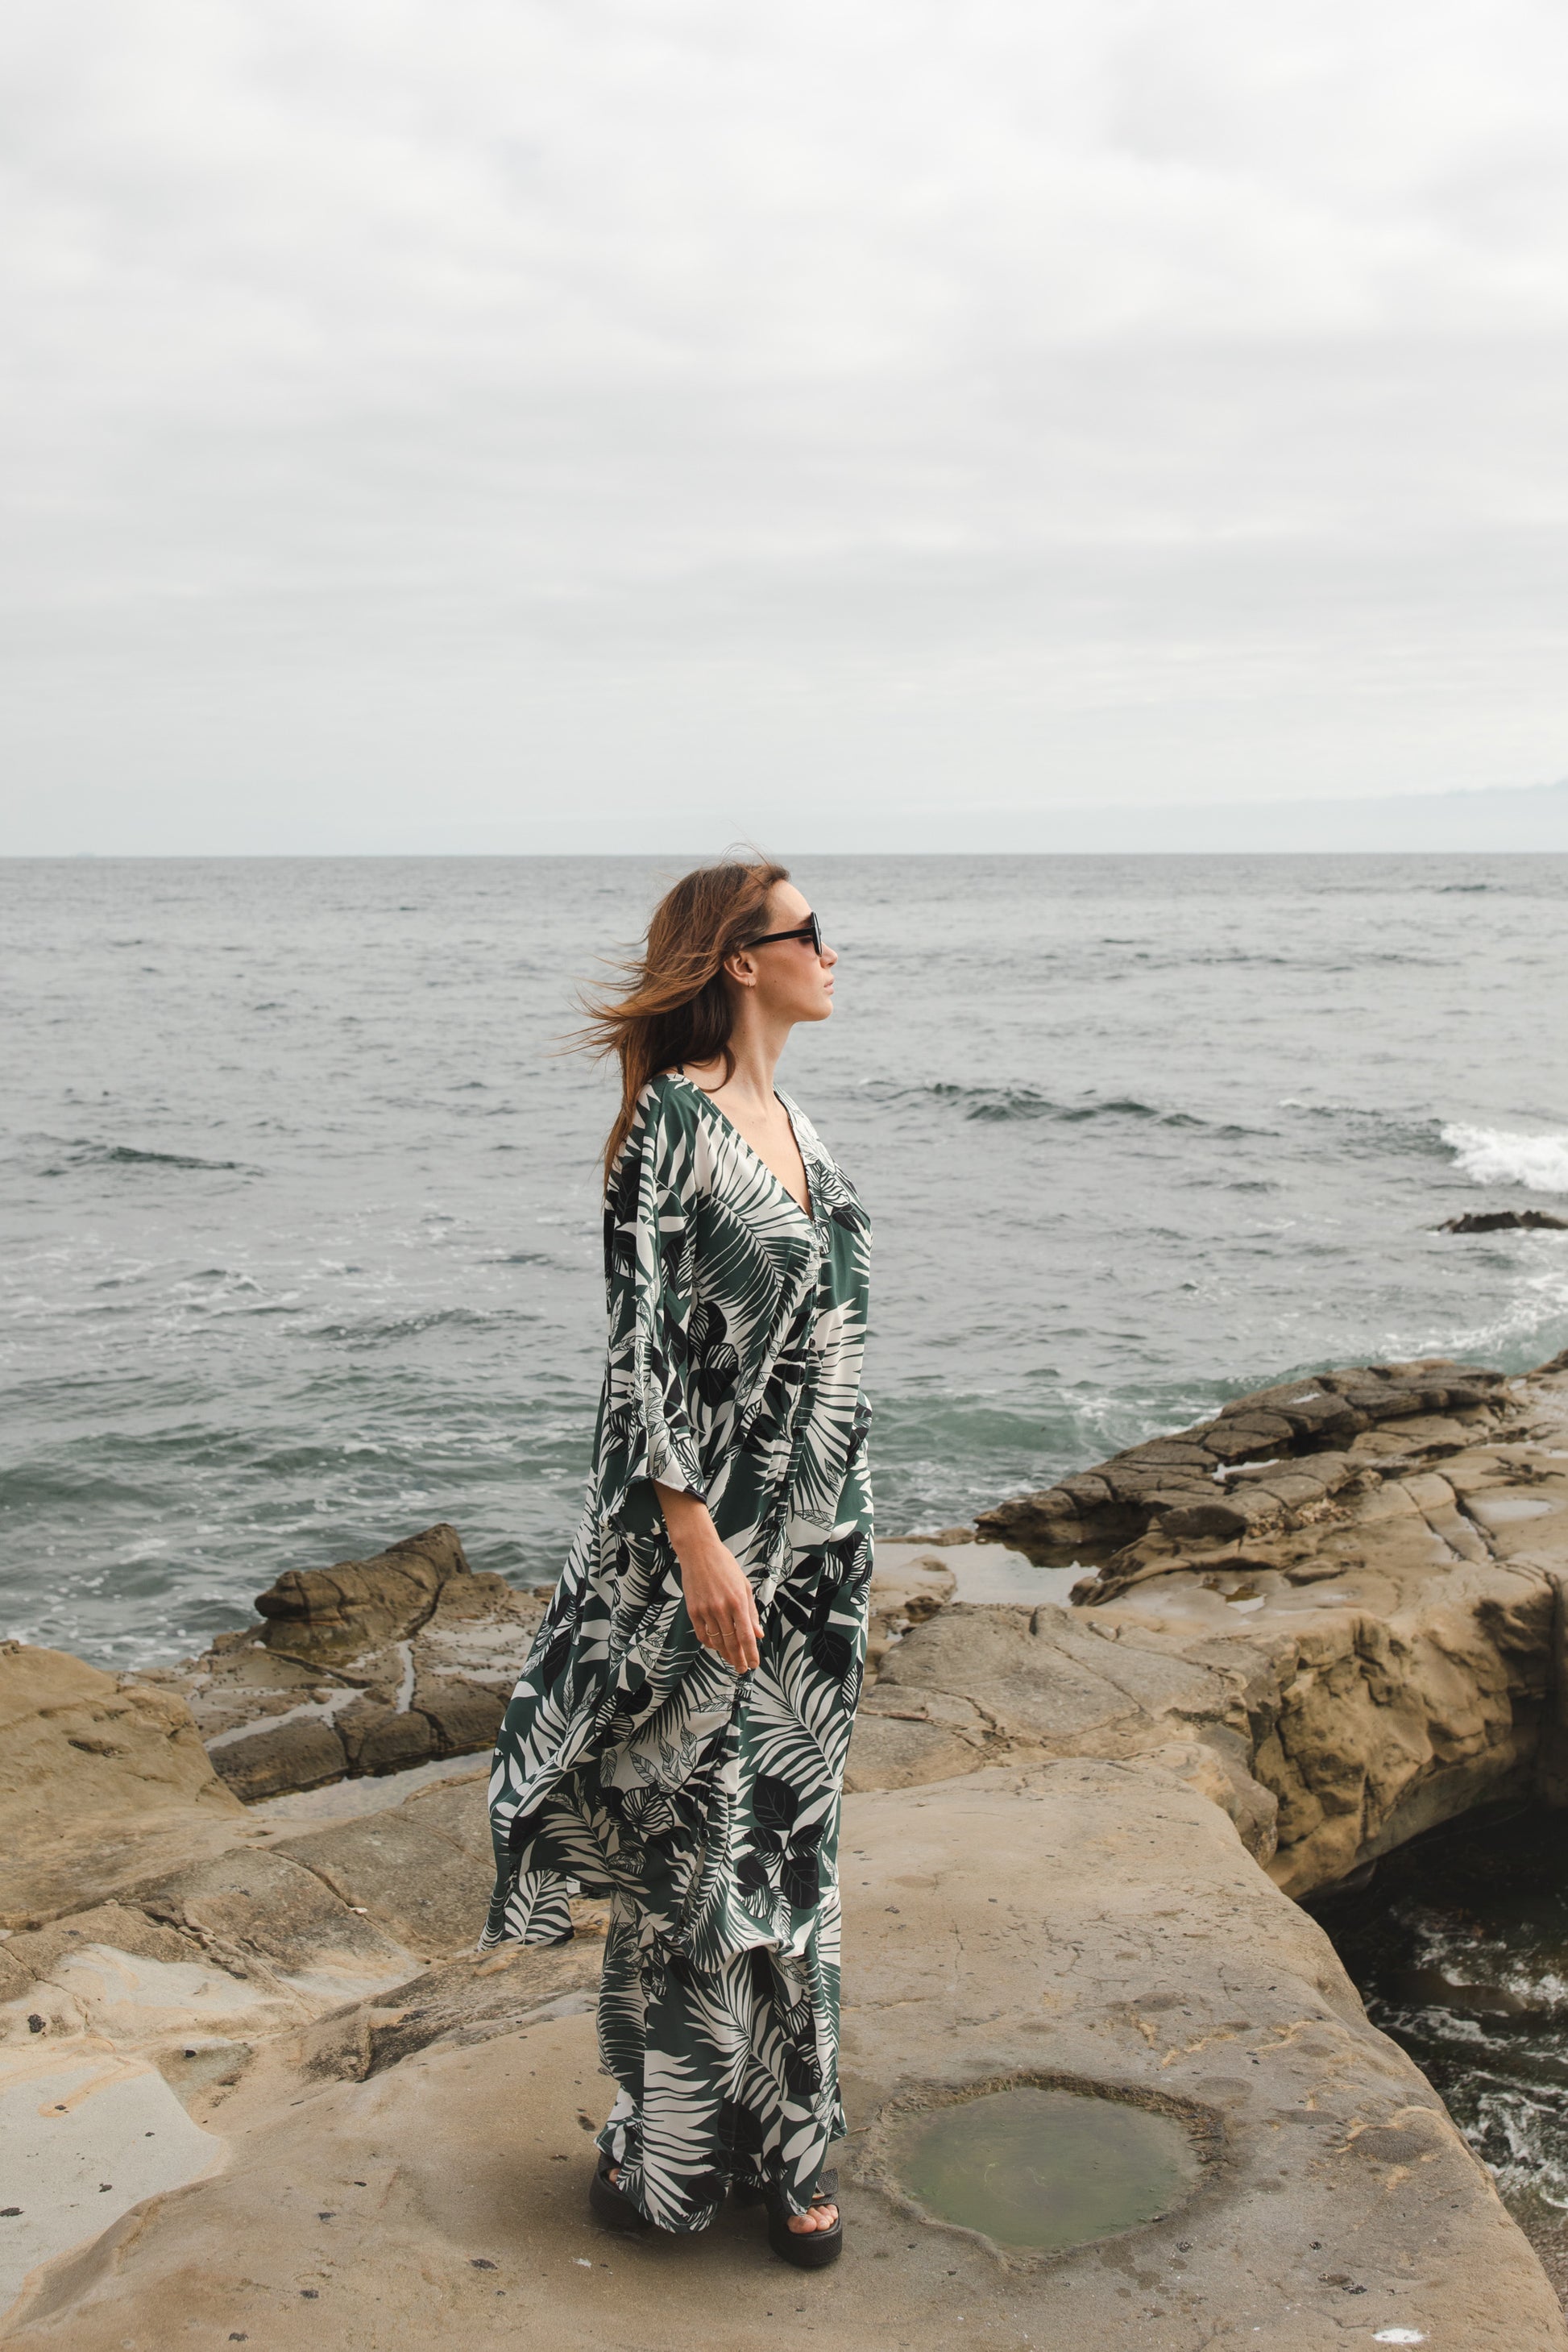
(979, 1102)
(1122, 1107)
(83, 1152)
(1492, 1155)
(993, 1105)
(1372, 1129)
(999, 1104)
(372, 1331)
(1518, 2134)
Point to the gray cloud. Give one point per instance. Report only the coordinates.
(547, 426)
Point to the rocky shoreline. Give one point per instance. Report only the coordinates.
(370, 1667)
(261, 2081)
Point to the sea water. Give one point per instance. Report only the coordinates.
(1459, 1946)
(300, 1198)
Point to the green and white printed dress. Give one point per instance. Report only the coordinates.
(632, 1761)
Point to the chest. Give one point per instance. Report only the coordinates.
(769, 1136)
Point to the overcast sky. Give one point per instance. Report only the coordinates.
(553, 424)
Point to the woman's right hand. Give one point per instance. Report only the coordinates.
(719, 1597)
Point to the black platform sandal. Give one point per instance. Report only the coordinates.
(808, 2249)
(612, 2205)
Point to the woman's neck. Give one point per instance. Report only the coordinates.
(755, 1046)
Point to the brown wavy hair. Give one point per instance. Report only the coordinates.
(675, 1007)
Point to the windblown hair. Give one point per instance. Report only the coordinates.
(676, 1007)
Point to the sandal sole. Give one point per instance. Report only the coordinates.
(615, 2211)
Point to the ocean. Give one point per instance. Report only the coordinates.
(300, 1193)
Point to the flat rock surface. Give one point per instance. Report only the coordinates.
(1010, 1927)
(93, 1776)
(88, 2135)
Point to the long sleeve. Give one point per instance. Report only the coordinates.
(648, 1429)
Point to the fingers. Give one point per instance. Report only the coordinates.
(734, 1638)
(737, 1646)
(724, 1614)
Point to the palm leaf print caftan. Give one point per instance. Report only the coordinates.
(703, 1803)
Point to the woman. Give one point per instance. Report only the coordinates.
(676, 1741)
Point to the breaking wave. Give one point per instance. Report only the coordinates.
(1490, 1155)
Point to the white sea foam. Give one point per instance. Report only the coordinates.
(1490, 1155)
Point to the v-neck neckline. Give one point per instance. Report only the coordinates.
(806, 1209)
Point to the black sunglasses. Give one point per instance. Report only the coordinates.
(810, 929)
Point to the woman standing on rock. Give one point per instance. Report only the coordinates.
(676, 1741)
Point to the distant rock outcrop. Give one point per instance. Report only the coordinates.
(1505, 1221)
(1267, 1462)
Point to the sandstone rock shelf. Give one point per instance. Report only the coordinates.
(1316, 1624)
(367, 1667)
(1336, 1608)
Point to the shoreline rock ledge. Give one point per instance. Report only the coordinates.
(1337, 1608)
(368, 1667)
(256, 2086)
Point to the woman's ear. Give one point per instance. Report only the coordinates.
(741, 968)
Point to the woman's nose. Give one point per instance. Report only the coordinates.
(830, 955)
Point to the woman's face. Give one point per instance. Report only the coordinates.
(791, 980)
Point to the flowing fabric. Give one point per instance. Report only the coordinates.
(639, 1766)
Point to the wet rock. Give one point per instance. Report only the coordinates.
(1504, 1220)
(264, 1761)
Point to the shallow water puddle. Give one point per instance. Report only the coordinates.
(1046, 2170)
(1507, 1510)
(1244, 1595)
(993, 1574)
